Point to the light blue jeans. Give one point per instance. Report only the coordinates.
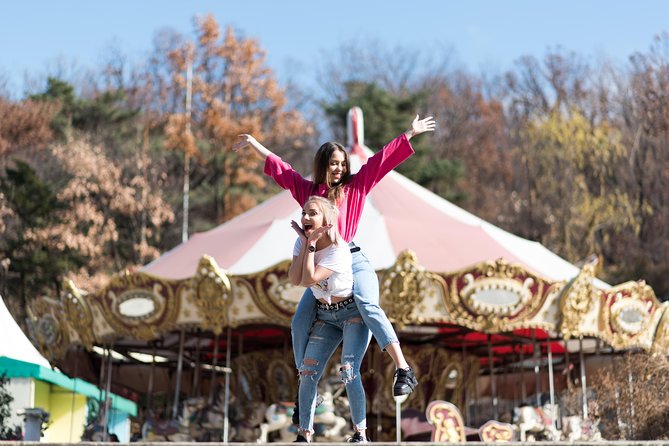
(329, 329)
(366, 293)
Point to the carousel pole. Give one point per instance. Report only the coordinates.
(180, 366)
(464, 380)
(493, 382)
(240, 352)
(537, 361)
(226, 407)
(567, 362)
(584, 385)
(105, 435)
(74, 390)
(523, 387)
(214, 364)
(195, 389)
(379, 370)
(101, 382)
(551, 387)
(149, 394)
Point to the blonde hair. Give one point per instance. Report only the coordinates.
(330, 216)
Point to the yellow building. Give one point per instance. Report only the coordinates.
(34, 384)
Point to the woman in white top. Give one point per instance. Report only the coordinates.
(322, 261)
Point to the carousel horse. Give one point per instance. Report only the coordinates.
(93, 432)
(154, 430)
(576, 428)
(248, 423)
(329, 425)
(205, 422)
(278, 418)
(326, 418)
(537, 421)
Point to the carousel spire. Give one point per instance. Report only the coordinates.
(355, 132)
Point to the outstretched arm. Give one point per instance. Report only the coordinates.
(248, 140)
(419, 126)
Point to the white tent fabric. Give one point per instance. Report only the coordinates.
(15, 344)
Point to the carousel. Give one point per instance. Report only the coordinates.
(490, 322)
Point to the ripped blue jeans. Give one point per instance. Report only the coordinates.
(366, 294)
(329, 329)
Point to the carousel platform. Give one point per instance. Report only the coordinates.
(404, 443)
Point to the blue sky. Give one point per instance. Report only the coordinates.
(486, 35)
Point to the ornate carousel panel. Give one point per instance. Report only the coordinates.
(491, 297)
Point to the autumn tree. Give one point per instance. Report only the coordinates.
(631, 398)
(568, 196)
(233, 92)
(644, 121)
(472, 135)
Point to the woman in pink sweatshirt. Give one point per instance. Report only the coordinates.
(332, 179)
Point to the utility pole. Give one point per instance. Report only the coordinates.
(186, 189)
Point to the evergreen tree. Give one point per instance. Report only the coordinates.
(7, 432)
(36, 266)
(386, 115)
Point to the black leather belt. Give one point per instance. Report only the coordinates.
(356, 249)
(337, 306)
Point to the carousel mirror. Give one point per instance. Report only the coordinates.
(496, 297)
(137, 306)
(631, 319)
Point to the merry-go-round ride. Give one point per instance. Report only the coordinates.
(490, 322)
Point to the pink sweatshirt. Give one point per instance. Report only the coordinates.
(355, 192)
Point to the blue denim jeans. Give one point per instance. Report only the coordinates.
(329, 329)
(366, 293)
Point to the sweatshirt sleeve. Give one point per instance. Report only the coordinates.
(382, 162)
(287, 178)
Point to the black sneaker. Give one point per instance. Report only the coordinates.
(358, 438)
(300, 439)
(405, 383)
(296, 411)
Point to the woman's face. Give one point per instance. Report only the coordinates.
(337, 166)
(312, 218)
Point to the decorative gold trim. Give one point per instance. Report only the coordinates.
(448, 426)
(661, 339)
(161, 291)
(637, 296)
(267, 287)
(78, 313)
(49, 328)
(403, 287)
(532, 291)
(577, 300)
(213, 295)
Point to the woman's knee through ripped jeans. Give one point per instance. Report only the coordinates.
(329, 329)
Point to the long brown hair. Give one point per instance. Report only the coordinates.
(322, 174)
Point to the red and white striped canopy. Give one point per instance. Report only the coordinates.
(399, 215)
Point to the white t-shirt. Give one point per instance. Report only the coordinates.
(336, 258)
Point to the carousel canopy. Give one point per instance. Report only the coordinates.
(20, 359)
(399, 215)
(15, 344)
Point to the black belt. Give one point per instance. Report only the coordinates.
(356, 249)
(337, 306)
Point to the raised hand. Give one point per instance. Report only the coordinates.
(245, 140)
(298, 229)
(318, 233)
(419, 126)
